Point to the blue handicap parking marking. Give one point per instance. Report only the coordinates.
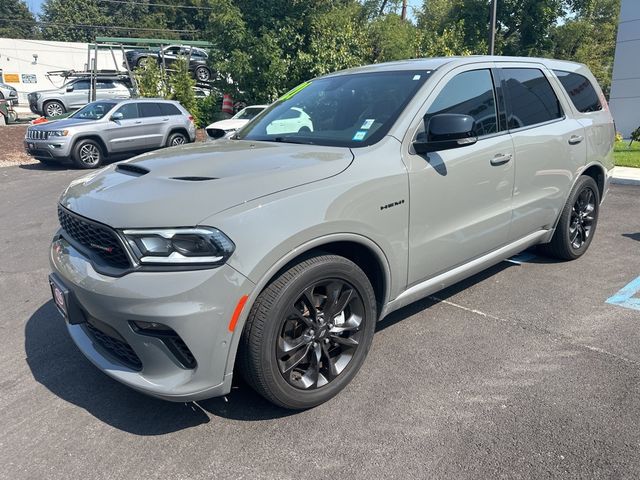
(522, 257)
(626, 296)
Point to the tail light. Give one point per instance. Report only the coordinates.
(191, 118)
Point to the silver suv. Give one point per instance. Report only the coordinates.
(111, 127)
(275, 254)
(76, 94)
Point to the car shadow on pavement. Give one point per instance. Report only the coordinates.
(42, 166)
(632, 236)
(56, 363)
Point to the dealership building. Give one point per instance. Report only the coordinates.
(624, 100)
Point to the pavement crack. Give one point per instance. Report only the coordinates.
(523, 326)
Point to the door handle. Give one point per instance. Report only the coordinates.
(501, 159)
(165, 119)
(575, 139)
(138, 122)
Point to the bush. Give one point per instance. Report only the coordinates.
(208, 110)
(181, 85)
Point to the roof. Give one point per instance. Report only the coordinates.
(434, 63)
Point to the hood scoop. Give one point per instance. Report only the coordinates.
(194, 179)
(129, 169)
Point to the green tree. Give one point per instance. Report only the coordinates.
(393, 38)
(181, 85)
(151, 80)
(18, 21)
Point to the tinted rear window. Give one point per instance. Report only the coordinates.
(531, 98)
(149, 109)
(579, 88)
(169, 109)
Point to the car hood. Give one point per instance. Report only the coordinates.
(61, 123)
(230, 124)
(181, 186)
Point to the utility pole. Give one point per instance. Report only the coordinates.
(404, 10)
(492, 27)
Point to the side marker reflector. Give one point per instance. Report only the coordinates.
(237, 312)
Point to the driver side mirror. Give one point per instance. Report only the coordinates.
(70, 88)
(117, 116)
(446, 131)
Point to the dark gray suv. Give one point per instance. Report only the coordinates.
(110, 127)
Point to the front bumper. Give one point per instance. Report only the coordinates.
(198, 305)
(52, 149)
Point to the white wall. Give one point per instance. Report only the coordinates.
(16, 57)
(625, 87)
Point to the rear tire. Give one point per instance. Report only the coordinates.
(87, 154)
(202, 74)
(308, 332)
(577, 223)
(176, 139)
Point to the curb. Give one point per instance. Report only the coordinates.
(625, 176)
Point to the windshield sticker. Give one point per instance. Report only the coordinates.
(294, 91)
(416, 77)
(367, 123)
(359, 136)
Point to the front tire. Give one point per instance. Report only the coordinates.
(577, 223)
(53, 108)
(309, 332)
(87, 154)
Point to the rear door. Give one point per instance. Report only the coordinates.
(105, 89)
(154, 124)
(549, 147)
(79, 95)
(460, 198)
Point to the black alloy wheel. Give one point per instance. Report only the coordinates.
(578, 220)
(320, 334)
(308, 332)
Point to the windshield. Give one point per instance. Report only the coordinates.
(247, 113)
(346, 110)
(94, 111)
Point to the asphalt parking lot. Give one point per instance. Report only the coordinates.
(522, 371)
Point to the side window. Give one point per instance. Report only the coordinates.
(81, 85)
(104, 84)
(149, 109)
(531, 98)
(579, 88)
(169, 109)
(469, 93)
(128, 111)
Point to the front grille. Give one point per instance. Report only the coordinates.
(98, 238)
(117, 348)
(37, 134)
(215, 133)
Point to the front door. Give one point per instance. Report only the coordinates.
(460, 199)
(126, 134)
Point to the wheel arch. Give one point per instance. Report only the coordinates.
(173, 130)
(95, 138)
(357, 248)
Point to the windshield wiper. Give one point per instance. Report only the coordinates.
(293, 140)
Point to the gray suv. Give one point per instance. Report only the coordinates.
(275, 252)
(109, 128)
(75, 94)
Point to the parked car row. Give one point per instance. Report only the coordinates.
(107, 128)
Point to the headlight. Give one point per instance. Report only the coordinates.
(58, 133)
(180, 246)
